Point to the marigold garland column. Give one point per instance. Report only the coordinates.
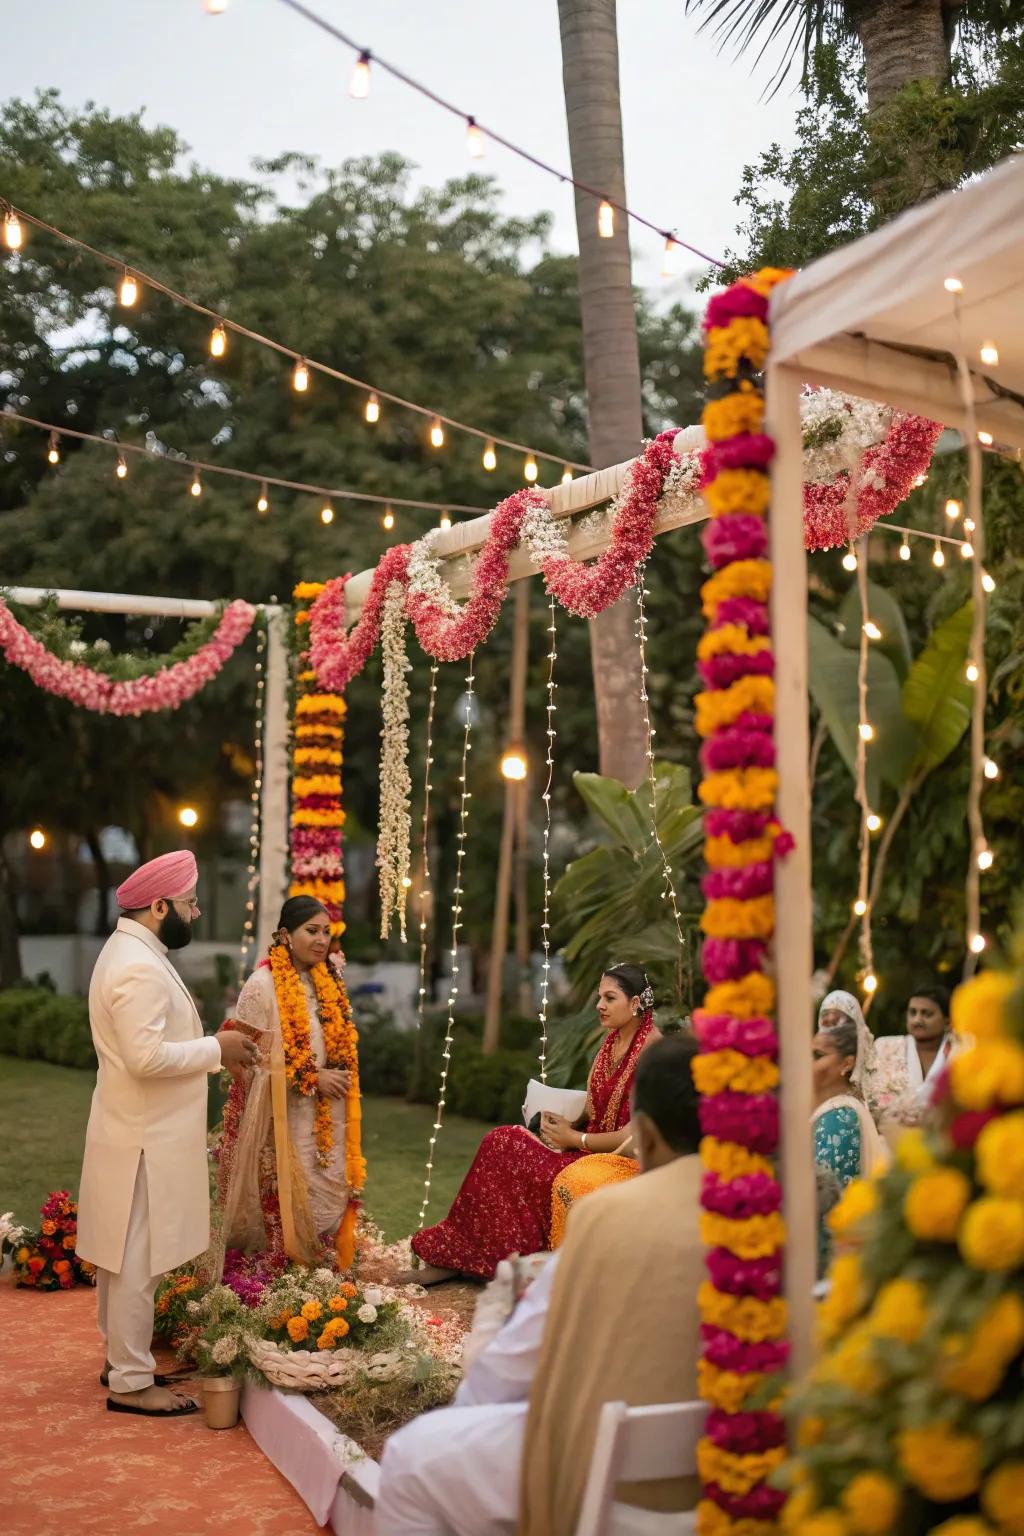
(317, 818)
(742, 1311)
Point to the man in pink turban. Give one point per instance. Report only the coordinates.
(144, 1202)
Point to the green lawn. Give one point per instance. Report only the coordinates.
(44, 1109)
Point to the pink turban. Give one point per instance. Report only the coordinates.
(170, 876)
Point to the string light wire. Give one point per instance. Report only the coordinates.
(425, 879)
(668, 890)
(545, 925)
(252, 882)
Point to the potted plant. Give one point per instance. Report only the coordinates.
(221, 1354)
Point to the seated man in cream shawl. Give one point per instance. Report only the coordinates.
(613, 1317)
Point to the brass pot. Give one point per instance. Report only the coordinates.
(221, 1397)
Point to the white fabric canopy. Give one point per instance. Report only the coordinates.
(875, 318)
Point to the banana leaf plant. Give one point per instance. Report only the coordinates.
(920, 707)
(609, 904)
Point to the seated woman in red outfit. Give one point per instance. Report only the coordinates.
(504, 1205)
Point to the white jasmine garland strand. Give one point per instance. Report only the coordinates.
(457, 895)
(249, 926)
(545, 926)
(393, 856)
(425, 890)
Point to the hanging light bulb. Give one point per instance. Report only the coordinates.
(870, 983)
(977, 943)
(670, 260)
(530, 470)
(567, 476)
(128, 291)
(490, 457)
(953, 509)
(867, 731)
(445, 520)
(300, 376)
(14, 235)
(388, 519)
(215, 7)
(953, 285)
(987, 582)
(966, 551)
(474, 139)
(904, 550)
(971, 672)
(372, 412)
(969, 525)
(990, 354)
(991, 768)
(986, 858)
(985, 439)
(326, 514)
(872, 630)
(263, 504)
(921, 479)
(606, 220)
(850, 560)
(53, 452)
(436, 433)
(874, 822)
(197, 484)
(218, 341)
(938, 558)
(122, 468)
(359, 86)
(860, 906)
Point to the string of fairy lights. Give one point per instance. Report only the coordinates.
(668, 891)
(425, 892)
(248, 939)
(132, 283)
(545, 921)
(456, 915)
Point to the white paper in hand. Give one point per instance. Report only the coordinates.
(543, 1099)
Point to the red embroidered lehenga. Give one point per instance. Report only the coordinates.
(504, 1205)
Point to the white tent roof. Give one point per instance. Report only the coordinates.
(875, 319)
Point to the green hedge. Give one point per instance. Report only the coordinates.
(40, 1026)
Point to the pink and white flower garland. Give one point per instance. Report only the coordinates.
(885, 476)
(137, 696)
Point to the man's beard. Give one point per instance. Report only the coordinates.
(174, 931)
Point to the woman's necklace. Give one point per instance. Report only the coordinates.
(616, 1060)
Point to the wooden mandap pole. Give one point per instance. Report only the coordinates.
(793, 941)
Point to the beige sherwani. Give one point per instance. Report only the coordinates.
(144, 1200)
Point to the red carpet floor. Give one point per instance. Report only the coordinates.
(66, 1464)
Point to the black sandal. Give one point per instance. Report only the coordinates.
(185, 1407)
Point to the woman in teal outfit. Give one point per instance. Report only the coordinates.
(845, 1136)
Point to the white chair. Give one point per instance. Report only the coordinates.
(637, 1445)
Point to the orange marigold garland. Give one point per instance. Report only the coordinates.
(743, 1314)
(317, 818)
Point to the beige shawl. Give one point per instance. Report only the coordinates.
(622, 1327)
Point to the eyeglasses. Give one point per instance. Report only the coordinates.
(188, 901)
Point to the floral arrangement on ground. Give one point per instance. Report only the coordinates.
(46, 1260)
(913, 1419)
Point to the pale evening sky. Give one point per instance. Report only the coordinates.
(259, 80)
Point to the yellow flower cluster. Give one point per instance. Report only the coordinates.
(714, 1071)
(317, 757)
(992, 1234)
(935, 1203)
(999, 1154)
(713, 1521)
(845, 1297)
(728, 1390)
(989, 1073)
(941, 1462)
(298, 1329)
(913, 1154)
(311, 1311)
(900, 1311)
(320, 704)
(738, 490)
(736, 1473)
(1002, 1497)
(853, 1363)
(749, 1319)
(859, 1200)
(332, 1334)
(731, 1161)
(731, 640)
(975, 1366)
(723, 853)
(742, 411)
(317, 784)
(304, 731)
(324, 890)
(722, 707)
(742, 578)
(304, 817)
(871, 1502)
(740, 789)
(749, 1237)
(307, 591)
(978, 1006)
(728, 918)
(725, 346)
(748, 998)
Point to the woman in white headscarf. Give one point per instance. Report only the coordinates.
(845, 1136)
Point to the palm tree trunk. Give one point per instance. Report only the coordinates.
(611, 354)
(903, 40)
(10, 952)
